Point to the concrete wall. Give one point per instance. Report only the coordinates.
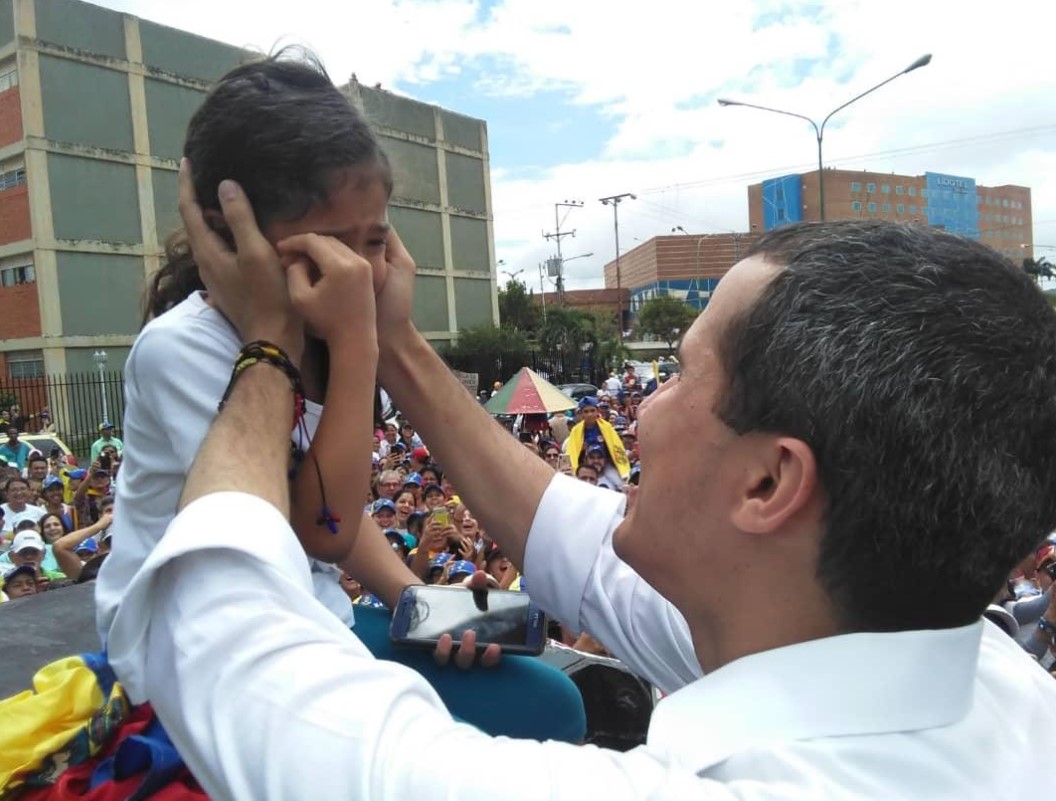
(414, 171)
(422, 233)
(472, 302)
(169, 109)
(101, 293)
(81, 360)
(7, 21)
(461, 131)
(85, 104)
(385, 110)
(94, 200)
(430, 303)
(469, 245)
(81, 26)
(182, 53)
(465, 183)
(166, 196)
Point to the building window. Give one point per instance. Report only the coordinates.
(856, 205)
(856, 186)
(25, 364)
(886, 189)
(912, 191)
(12, 178)
(872, 207)
(9, 79)
(900, 208)
(899, 190)
(870, 187)
(1004, 202)
(912, 208)
(886, 208)
(22, 274)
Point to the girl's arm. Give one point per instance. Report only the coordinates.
(65, 547)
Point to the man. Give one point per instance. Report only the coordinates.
(384, 513)
(389, 484)
(612, 383)
(18, 583)
(106, 437)
(36, 472)
(594, 432)
(14, 450)
(392, 434)
(588, 473)
(27, 549)
(18, 507)
(871, 411)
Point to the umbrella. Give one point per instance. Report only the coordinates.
(529, 393)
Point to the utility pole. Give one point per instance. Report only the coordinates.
(542, 288)
(614, 201)
(557, 236)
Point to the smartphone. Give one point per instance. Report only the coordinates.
(442, 516)
(564, 463)
(507, 619)
(104, 461)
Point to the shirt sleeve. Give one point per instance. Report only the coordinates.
(573, 572)
(237, 645)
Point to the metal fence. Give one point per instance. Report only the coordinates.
(77, 403)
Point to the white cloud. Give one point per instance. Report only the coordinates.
(655, 70)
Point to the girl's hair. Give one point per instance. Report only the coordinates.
(401, 493)
(280, 128)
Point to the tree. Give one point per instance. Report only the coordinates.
(665, 317)
(493, 353)
(517, 310)
(1039, 268)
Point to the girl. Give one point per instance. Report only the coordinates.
(318, 183)
(405, 507)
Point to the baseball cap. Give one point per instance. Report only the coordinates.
(105, 425)
(420, 454)
(51, 481)
(88, 546)
(413, 478)
(596, 449)
(403, 537)
(106, 535)
(433, 488)
(399, 446)
(589, 400)
(27, 539)
(383, 503)
(439, 561)
(79, 473)
(23, 570)
(462, 567)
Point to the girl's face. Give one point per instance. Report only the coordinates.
(404, 506)
(434, 500)
(52, 529)
(470, 526)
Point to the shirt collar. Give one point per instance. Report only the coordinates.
(853, 684)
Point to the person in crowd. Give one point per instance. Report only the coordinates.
(408, 437)
(17, 506)
(78, 548)
(106, 437)
(47, 426)
(389, 484)
(413, 482)
(587, 473)
(15, 450)
(593, 431)
(431, 474)
(457, 571)
(830, 431)
(384, 513)
(405, 507)
(36, 472)
(419, 459)
(433, 497)
(53, 527)
(612, 383)
(90, 493)
(19, 582)
(29, 548)
(597, 457)
(551, 452)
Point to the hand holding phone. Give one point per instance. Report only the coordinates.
(510, 620)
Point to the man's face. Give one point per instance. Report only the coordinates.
(27, 556)
(391, 434)
(385, 518)
(17, 493)
(12, 435)
(100, 482)
(596, 460)
(52, 495)
(38, 470)
(107, 432)
(686, 495)
(20, 586)
(590, 416)
(389, 486)
(587, 474)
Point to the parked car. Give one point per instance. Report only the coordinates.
(578, 391)
(45, 442)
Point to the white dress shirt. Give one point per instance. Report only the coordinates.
(268, 696)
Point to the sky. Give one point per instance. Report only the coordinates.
(590, 98)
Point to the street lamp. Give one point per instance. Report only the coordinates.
(819, 130)
(100, 362)
(510, 275)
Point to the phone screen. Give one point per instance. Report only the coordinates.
(442, 517)
(509, 619)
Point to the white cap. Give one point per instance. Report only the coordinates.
(27, 539)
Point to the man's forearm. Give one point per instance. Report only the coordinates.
(501, 481)
(248, 445)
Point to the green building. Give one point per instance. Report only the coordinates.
(93, 109)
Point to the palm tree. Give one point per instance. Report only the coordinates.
(1039, 268)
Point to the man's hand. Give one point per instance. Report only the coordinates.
(248, 285)
(466, 654)
(397, 295)
(336, 298)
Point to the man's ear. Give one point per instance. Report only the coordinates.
(780, 480)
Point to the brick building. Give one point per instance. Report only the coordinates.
(94, 105)
(687, 266)
(998, 216)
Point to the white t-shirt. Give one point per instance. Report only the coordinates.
(612, 384)
(12, 519)
(175, 376)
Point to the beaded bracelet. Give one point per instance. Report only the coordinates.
(262, 352)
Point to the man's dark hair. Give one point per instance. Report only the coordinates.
(36, 456)
(280, 128)
(920, 367)
(16, 480)
(585, 466)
